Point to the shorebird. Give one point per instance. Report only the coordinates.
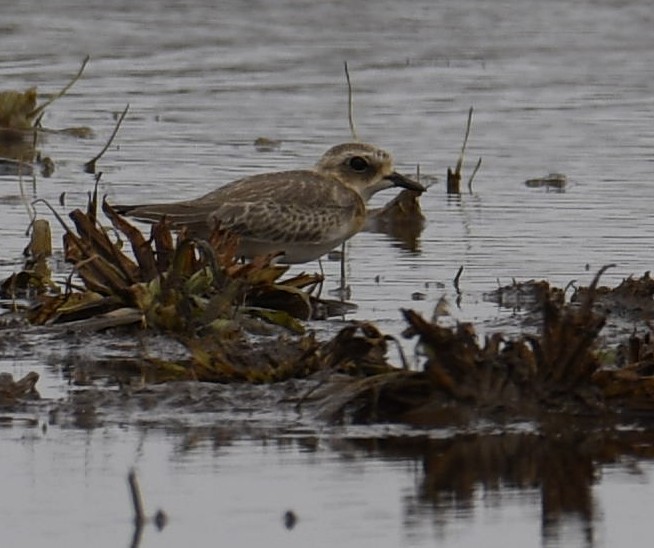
(302, 214)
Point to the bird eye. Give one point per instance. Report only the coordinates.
(358, 164)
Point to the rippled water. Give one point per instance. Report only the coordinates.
(556, 87)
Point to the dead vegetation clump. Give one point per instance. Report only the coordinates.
(224, 311)
(464, 380)
(550, 371)
(188, 287)
(557, 370)
(529, 295)
(633, 298)
(631, 387)
(13, 391)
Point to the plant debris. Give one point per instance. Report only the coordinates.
(186, 287)
(237, 322)
(401, 218)
(20, 129)
(19, 110)
(553, 181)
(223, 312)
(454, 177)
(12, 391)
(265, 144)
(558, 370)
(89, 167)
(195, 290)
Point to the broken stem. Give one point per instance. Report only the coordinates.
(52, 99)
(89, 167)
(54, 212)
(93, 200)
(456, 280)
(459, 164)
(343, 267)
(474, 172)
(400, 351)
(137, 500)
(350, 104)
(23, 197)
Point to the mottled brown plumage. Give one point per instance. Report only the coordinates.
(303, 213)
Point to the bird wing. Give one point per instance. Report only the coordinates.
(284, 206)
(291, 206)
(274, 221)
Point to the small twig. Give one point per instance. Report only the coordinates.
(343, 267)
(140, 519)
(93, 199)
(459, 164)
(89, 167)
(459, 295)
(405, 364)
(41, 108)
(69, 286)
(54, 212)
(587, 305)
(570, 284)
(456, 280)
(454, 177)
(350, 104)
(322, 275)
(28, 206)
(36, 128)
(35, 133)
(474, 172)
(137, 500)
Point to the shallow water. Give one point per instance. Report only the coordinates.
(556, 87)
(69, 487)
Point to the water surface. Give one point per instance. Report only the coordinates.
(556, 87)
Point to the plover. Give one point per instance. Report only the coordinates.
(302, 214)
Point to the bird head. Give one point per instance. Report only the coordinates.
(364, 168)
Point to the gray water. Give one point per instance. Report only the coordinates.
(68, 488)
(557, 86)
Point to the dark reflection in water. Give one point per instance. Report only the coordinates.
(557, 488)
(560, 469)
(556, 475)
